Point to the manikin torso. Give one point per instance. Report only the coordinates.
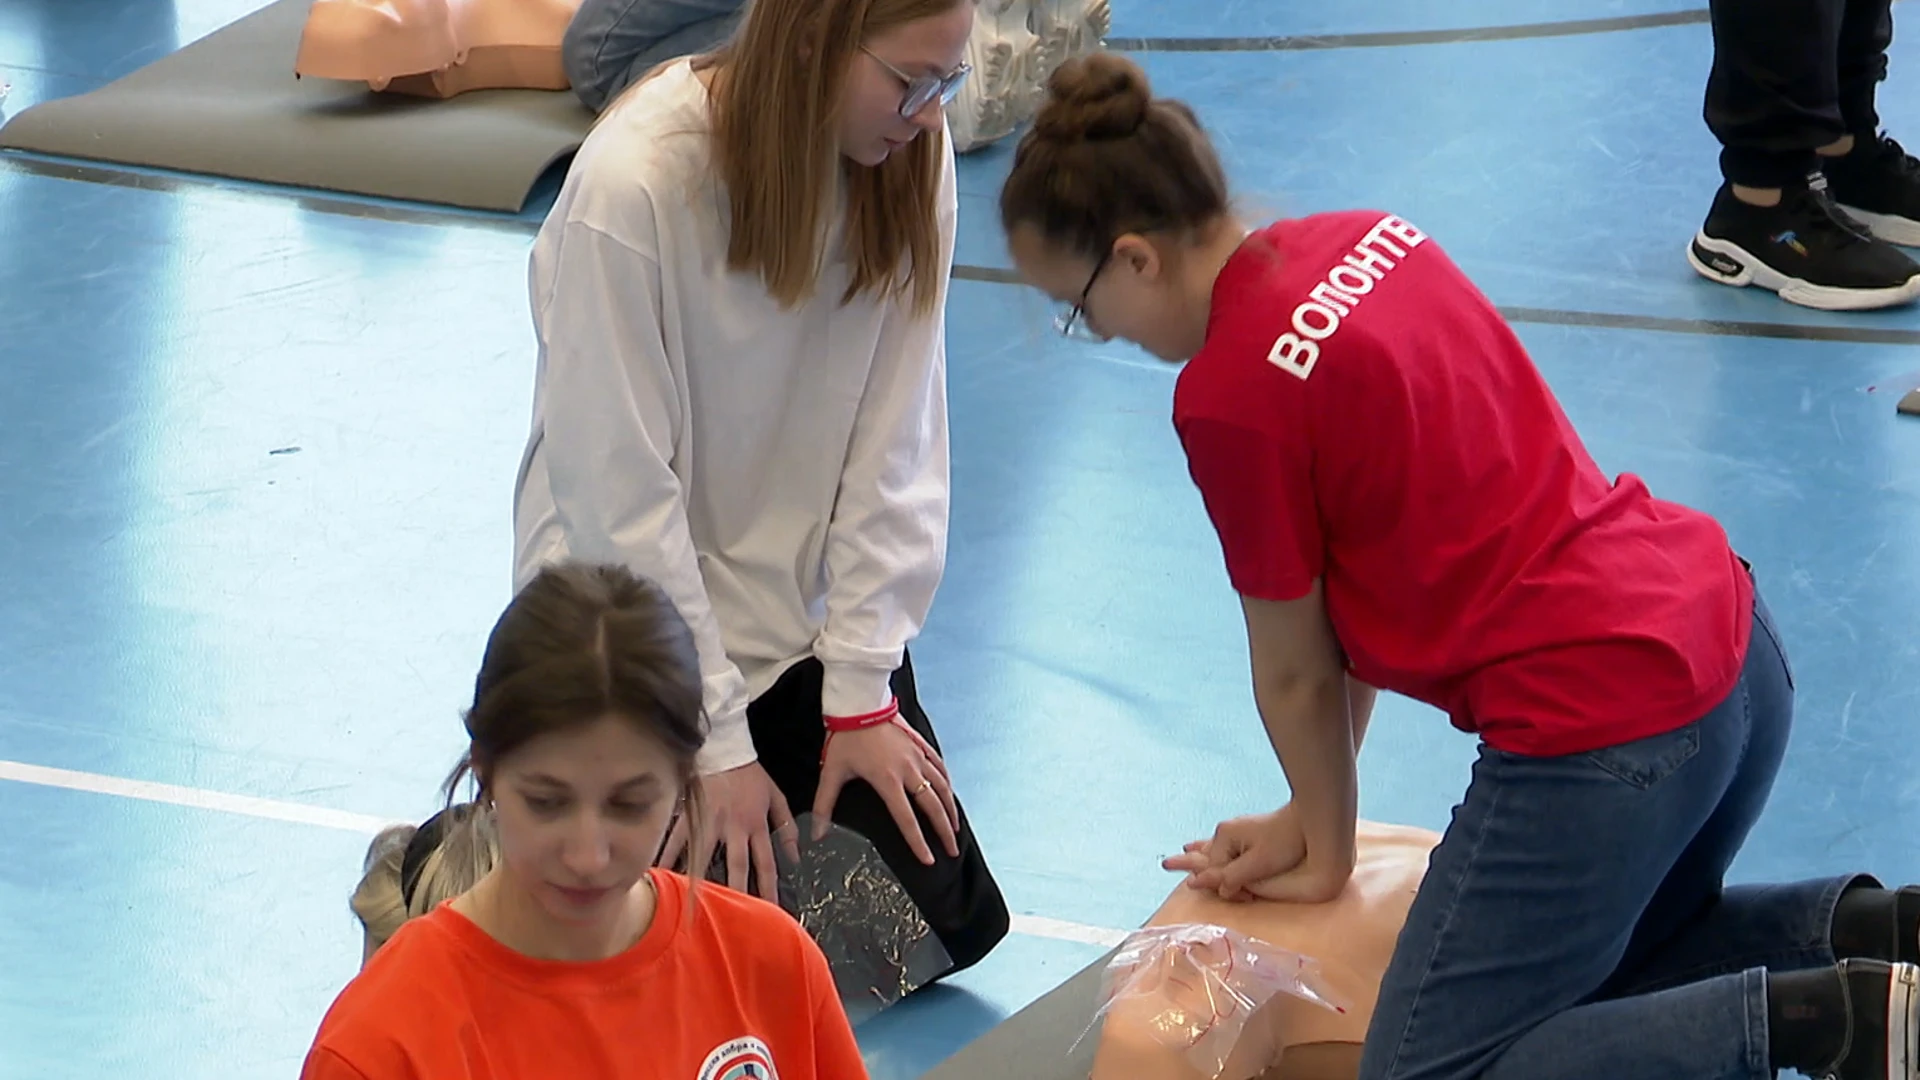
(437, 48)
(1351, 938)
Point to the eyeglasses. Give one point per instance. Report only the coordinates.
(1073, 322)
(923, 89)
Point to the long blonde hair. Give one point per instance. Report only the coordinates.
(776, 95)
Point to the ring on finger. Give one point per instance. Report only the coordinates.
(924, 785)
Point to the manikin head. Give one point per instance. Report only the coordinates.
(584, 729)
(1117, 208)
(815, 96)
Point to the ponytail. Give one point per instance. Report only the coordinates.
(410, 871)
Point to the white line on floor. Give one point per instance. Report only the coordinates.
(303, 814)
(1059, 930)
(198, 798)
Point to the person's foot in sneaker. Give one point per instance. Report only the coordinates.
(1878, 183)
(1804, 249)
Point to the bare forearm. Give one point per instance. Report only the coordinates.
(1309, 707)
(1360, 698)
(1312, 726)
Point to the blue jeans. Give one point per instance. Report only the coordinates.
(611, 43)
(1574, 920)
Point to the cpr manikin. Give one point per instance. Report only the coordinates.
(1289, 1038)
(437, 48)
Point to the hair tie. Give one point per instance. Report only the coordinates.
(424, 842)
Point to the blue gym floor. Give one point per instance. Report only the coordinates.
(258, 450)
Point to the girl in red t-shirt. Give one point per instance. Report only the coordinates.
(1403, 505)
(573, 955)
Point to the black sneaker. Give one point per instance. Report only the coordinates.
(1805, 249)
(1879, 183)
(1883, 1023)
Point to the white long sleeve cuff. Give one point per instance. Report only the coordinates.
(729, 743)
(855, 689)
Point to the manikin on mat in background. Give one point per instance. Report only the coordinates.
(1349, 941)
(437, 48)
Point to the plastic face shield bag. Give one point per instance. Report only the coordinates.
(841, 891)
(1197, 985)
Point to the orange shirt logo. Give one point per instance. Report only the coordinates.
(745, 1058)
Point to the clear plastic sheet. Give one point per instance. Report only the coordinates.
(1200, 984)
(841, 891)
(1897, 385)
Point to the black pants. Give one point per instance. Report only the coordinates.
(958, 897)
(1791, 76)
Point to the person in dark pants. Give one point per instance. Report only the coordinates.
(956, 896)
(612, 43)
(1815, 197)
(740, 392)
(1403, 506)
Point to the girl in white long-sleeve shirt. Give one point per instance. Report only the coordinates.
(741, 394)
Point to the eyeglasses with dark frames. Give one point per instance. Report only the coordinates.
(1073, 322)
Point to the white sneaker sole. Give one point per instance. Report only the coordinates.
(1753, 272)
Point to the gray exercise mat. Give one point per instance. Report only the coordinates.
(228, 105)
(1036, 1043)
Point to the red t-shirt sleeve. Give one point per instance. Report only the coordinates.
(1258, 489)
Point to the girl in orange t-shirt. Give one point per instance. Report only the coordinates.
(573, 956)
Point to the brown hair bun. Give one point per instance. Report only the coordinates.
(1101, 95)
(1106, 157)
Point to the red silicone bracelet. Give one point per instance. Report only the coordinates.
(864, 720)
